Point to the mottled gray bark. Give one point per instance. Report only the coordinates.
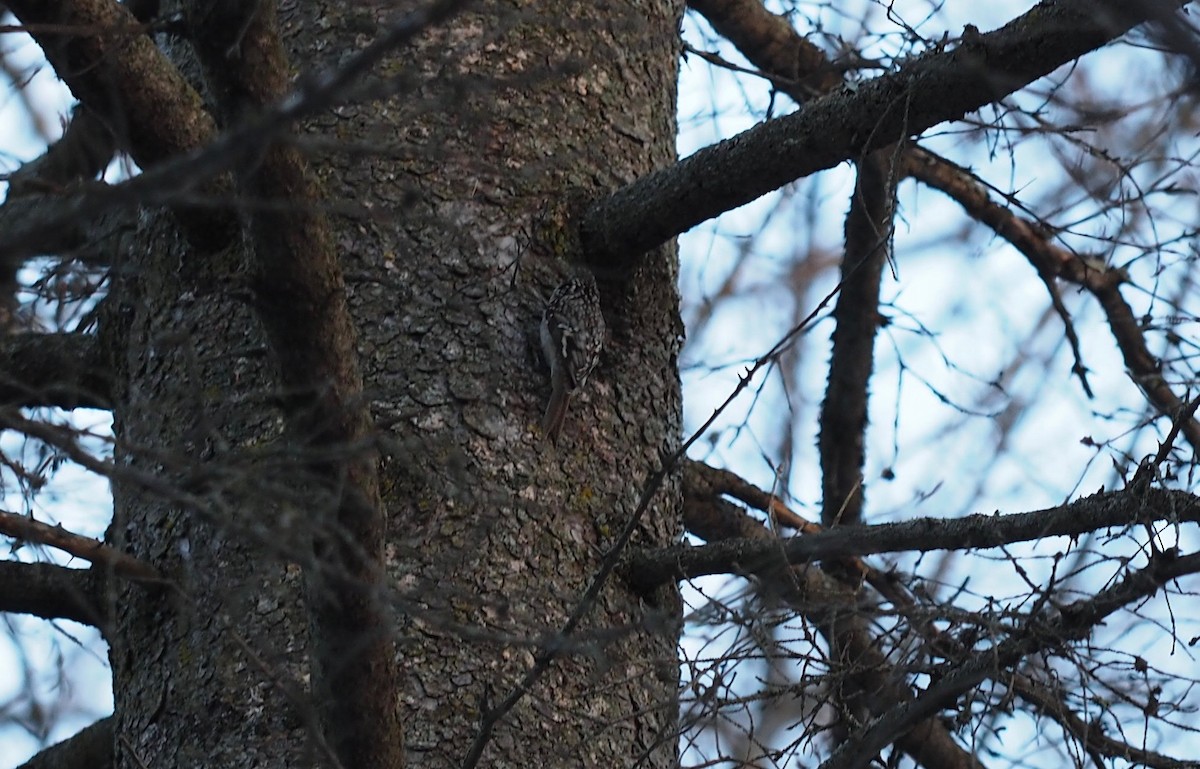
(503, 124)
(513, 118)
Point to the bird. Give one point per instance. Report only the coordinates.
(572, 335)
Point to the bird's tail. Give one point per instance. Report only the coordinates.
(556, 414)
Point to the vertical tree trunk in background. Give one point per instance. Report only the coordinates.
(505, 121)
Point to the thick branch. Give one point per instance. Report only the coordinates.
(53, 592)
(91, 748)
(104, 56)
(925, 91)
(63, 370)
(769, 42)
(1099, 511)
(842, 441)
(173, 175)
(92, 550)
(801, 70)
(53, 223)
(83, 151)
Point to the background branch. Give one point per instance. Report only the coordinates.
(54, 592)
(63, 370)
(91, 748)
(1033, 241)
(1074, 622)
(930, 89)
(1099, 511)
(91, 550)
(868, 682)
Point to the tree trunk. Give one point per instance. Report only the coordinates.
(457, 198)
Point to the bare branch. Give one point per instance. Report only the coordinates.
(63, 370)
(833, 607)
(1087, 734)
(92, 550)
(1051, 260)
(61, 438)
(1073, 622)
(1099, 511)
(91, 748)
(704, 480)
(930, 89)
(843, 420)
(53, 592)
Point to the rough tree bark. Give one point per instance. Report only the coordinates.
(326, 406)
(494, 129)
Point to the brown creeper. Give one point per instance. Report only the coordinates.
(572, 336)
